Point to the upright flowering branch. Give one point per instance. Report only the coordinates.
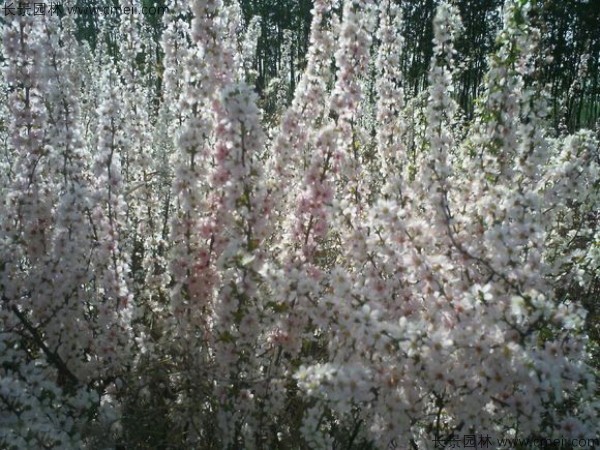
(352, 58)
(190, 78)
(192, 284)
(390, 95)
(500, 107)
(241, 214)
(137, 165)
(175, 49)
(440, 112)
(571, 199)
(213, 179)
(23, 72)
(209, 67)
(108, 217)
(306, 112)
(291, 153)
(247, 52)
(301, 157)
(352, 193)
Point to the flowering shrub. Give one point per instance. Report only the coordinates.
(356, 270)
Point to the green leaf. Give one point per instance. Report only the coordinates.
(226, 336)
(278, 307)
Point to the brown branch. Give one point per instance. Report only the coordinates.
(53, 358)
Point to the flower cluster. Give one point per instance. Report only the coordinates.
(352, 268)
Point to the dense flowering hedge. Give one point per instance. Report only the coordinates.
(356, 269)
